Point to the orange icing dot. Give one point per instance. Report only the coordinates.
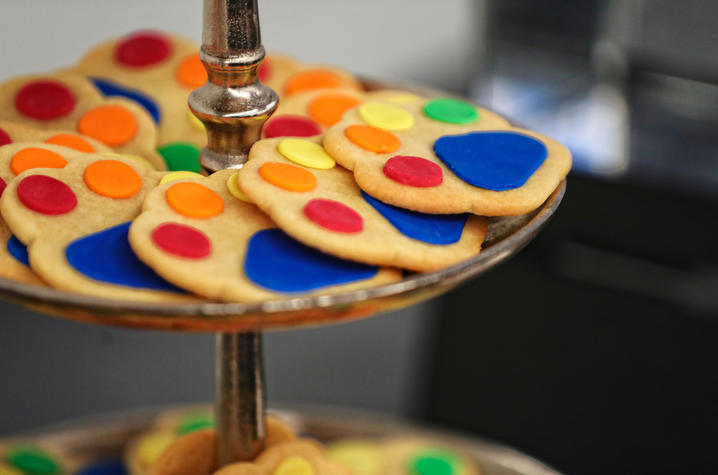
(194, 200)
(111, 125)
(34, 157)
(112, 179)
(289, 177)
(373, 139)
(71, 141)
(313, 79)
(328, 109)
(191, 72)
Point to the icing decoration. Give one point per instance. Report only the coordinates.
(440, 229)
(360, 458)
(45, 100)
(413, 171)
(46, 195)
(235, 190)
(191, 72)
(313, 79)
(196, 123)
(72, 141)
(35, 157)
(294, 465)
(152, 445)
(385, 116)
(193, 422)
(174, 176)
(329, 108)
(289, 177)
(434, 463)
(264, 70)
(104, 467)
(306, 153)
(3, 185)
(112, 179)
(32, 460)
(142, 49)
(181, 240)
(4, 138)
(372, 139)
(403, 98)
(107, 257)
(451, 111)
(194, 200)
(181, 156)
(112, 89)
(18, 250)
(291, 126)
(111, 125)
(334, 216)
(277, 262)
(493, 160)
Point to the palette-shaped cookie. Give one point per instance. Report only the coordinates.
(400, 456)
(443, 155)
(12, 132)
(158, 71)
(317, 202)
(64, 101)
(74, 222)
(199, 236)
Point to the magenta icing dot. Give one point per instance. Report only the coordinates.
(290, 126)
(44, 100)
(3, 185)
(142, 49)
(413, 171)
(4, 138)
(334, 216)
(46, 195)
(182, 241)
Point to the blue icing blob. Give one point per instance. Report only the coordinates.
(493, 160)
(107, 256)
(18, 250)
(278, 262)
(431, 228)
(104, 467)
(109, 88)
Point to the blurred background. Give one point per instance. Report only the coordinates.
(593, 350)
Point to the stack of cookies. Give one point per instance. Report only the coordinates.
(102, 192)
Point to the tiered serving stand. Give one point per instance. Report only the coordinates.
(233, 105)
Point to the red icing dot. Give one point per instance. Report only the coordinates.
(142, 49)
(291, 126)
(44, 100)
(264, 70)
(4, 138)
(182, 241)
(2, 186)
(334, 216)
(413, 171)
(46, 195)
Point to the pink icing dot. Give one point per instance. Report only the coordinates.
(46, 195)
(413, 171)
(291, 126)
(44, 100)
(2, 186)
(334, 216)
(142, 49)
(4, 138)
(182, 241)
(264, 70)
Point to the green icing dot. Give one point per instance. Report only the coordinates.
(32, 461)
(181, 156)
(434, 463)
(194, 422)
(452, 111)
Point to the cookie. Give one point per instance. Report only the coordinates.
(198, 235)
(318, 203)
(11, 132)
(63, 101)
(74, 221)
(444, 156)
(158, 71)
(288, 76)
(275, 69)
(300, 457)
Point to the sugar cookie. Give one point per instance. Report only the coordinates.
(12, 132)
(336, 217)
(65, 101)
(288, 76)
(199, 236)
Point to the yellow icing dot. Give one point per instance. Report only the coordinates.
(196, 123)
(359, 457)
(234, 189)
(136, 158)
(152, 445)
(7, 470)
(306, 153)
(179, 175)
(385, 116)
(403, 98)
(294, 465)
